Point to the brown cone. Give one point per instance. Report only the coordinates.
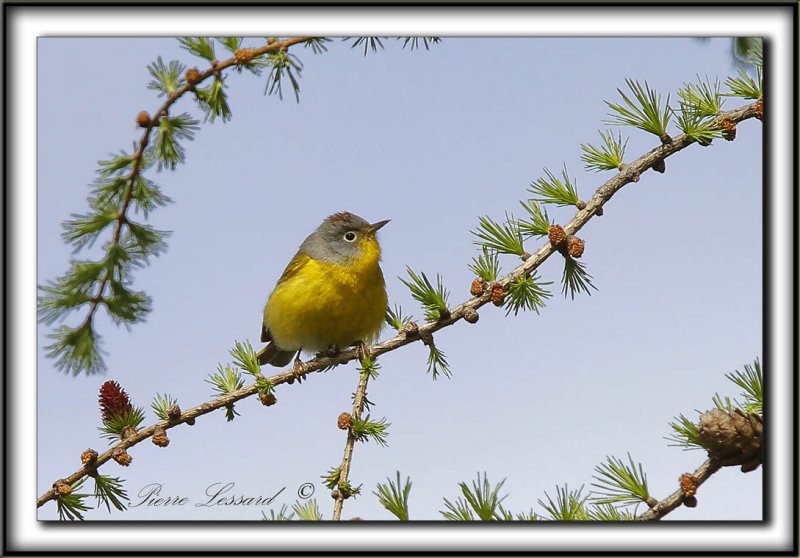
(476, 289)
(345, 420)
(557, 236)
(732, 438)
(575, 246)
(498, 294)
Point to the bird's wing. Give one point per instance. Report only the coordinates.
(265, 334)
(294, 267)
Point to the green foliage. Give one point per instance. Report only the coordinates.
(433, 300)
(109, 492)
(685, 434)
(69, 292)
(117, 166)
(643, 111)
(284, 65)
(331, 479)
(694, 124)
(166, 78)
(161, 405)
(722, 404)
(348, 490)
(199, 46)
(752, 382)
(744, 85)
(114, 425)
(213, 101)
(703, 96)
(568, 505)
(396, 319)
(504, 238)
(364, 429)
(393, 498)
(244, 356)
(264, 386)
(609, 156)
(481, 498)
(226, 380)
(460, 511)
(138, 244)
(526, 293)
(308, 511)
(368, 43)
(539, 225)
(71, 505)
(486, 265)
(76, 349)
(700, 103)
(620, 483)
(83, 229)
(103, 283)
(368, 364)
(110, 189)
(437, 362)
(166, 140)
(231, 44)
(748, 50)
(280, 516)
(146, 196)
(376, 43)
(126, 306)
(575, 278)
(246, 359)
(413, 42)
(553, 190)
(608, 512)
(317, 44)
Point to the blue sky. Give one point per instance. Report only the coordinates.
(431, 140)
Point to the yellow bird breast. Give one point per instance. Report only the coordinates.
(321, 303)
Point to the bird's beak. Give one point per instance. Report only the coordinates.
(375, 226)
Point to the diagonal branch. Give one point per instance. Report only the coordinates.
(602, 195)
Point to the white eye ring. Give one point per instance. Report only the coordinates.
(350, 236)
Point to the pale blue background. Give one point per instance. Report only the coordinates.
(431, 140)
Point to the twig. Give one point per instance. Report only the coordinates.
(675, 499)
(344, 470)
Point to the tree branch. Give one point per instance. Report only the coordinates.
(344, 470)
(602, 195)
(675, 499)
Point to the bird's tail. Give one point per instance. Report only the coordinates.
(271, 354)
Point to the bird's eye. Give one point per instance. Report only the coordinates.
(349, 236)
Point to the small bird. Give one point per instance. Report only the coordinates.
(331, 295)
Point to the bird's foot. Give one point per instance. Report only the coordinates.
(333, 350)
(298, 371)
(362, 351)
